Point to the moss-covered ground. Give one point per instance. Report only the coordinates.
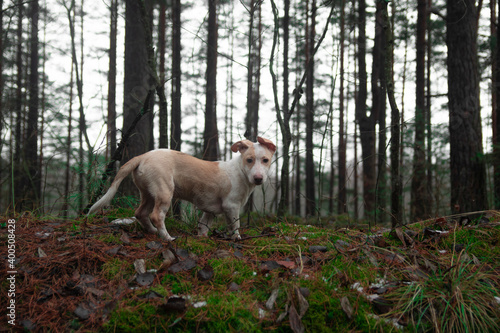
(84, 275)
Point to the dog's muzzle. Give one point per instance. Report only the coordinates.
(258, 180)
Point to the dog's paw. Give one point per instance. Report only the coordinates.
(167, 237)
(236, 236)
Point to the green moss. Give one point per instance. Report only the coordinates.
(229, 270)
(136, 317)
(177, 284)
(110, 238)
(116, 269)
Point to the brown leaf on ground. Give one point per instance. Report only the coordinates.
(346, 307)
(295, 322)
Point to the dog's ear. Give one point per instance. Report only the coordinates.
(267, 143)
(241, 146)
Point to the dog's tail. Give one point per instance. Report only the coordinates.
(124, 171)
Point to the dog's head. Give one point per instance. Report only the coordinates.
(256, 158)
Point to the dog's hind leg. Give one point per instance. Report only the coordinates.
(162, 204)
(205, 224)
(143, 211)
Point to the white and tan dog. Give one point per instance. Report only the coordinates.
(214, 187)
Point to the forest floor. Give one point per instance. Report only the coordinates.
(77, 275)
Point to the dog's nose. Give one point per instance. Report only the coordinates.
(258, 180)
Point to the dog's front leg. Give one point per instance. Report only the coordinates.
(233, 222)
(205, 224)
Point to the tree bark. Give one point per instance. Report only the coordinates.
(468, 173)
(287, 137)
(112, 78)
(33, 188)
(67, 169)
(253, 71)
(309, 113)
(419, 200)
(496, 122)
(175, 132)
(19, 180)
(379, 110)
(138, 80)
(1, 99)
(366, 124)
(396, 181)
(430, 196)
(211, 149)
(342, 195)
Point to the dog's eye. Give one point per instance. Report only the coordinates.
(265, 160)
(249, 160)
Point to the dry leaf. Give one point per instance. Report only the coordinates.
(140, 266)
(41, 253)
(295, 323)
(125, 238)
(346, 306)
(272, 299)
(400, 235)
(303, 304)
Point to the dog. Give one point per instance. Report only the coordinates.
(221, 187)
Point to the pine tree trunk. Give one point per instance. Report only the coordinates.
(253, 71)
(419, 200)
(396, 181)
(429, 197)
(32, 180)
(496, 122)
(379, 110)
(67, 173)
(175, 138)
(18, 183)
(139, 80)
(1, 99)
(342, 196)
(162, 49)
(112, 78)
(211, 134)
(468, 173)
(284, 203)
(366, 124)
(309, 114)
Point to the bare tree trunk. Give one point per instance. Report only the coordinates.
(138, 80)
(1, 99)
(162, 49)
(67, 173)
(366, 123)
(112, 78)
(229, 105)
(310, 169)
(468, 173)
(42, 176)
(342, 196)
(379, 110)
(211, 150)
(18, 181)
(419, 200)
(175, 138)
(429, 196)
(253, 71)
(32, 188)
(496, 122)
(356, 175)
(396, 183)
